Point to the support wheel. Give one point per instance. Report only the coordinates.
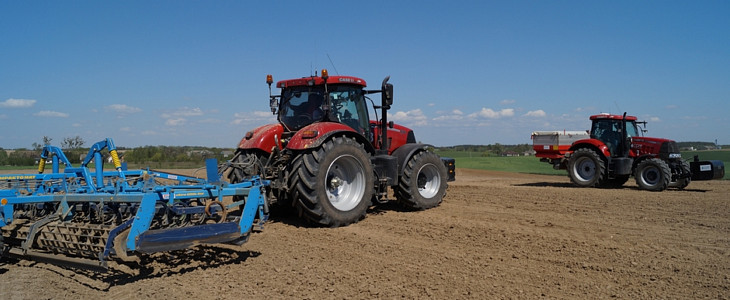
(332, 185)
(653, 174)
(423, 182)
(586, 168)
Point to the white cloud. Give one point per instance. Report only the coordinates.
(249, 118)
(410, 118)
(184, 112)
(175, 122)
(492, 114)
(453, 115)
(49, 113)
(535, 113)
(17, 103)
(123, 108)
(655, 119)
(507, 101)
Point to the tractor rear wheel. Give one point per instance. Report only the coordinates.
(423, 183)
(586, 168)
(249, 162)
(246, 163)
(653, 174)
(333, 184)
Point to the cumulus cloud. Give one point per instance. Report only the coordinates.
(492, 114)
(247, 118)
(507, 101)
(655, 119)
(50, 113)
(17, 103)
(123, 108)
(453, 115)
(175, 122)
(410, 118)
(184, 112)
(535, 113)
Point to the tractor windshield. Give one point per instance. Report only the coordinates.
(301, 106)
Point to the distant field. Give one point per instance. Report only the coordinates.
(532, 165)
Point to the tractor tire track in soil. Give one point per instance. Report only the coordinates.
(496, 235)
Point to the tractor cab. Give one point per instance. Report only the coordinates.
(309, 100)
(615, 132)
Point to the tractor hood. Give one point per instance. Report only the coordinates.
(664, 148)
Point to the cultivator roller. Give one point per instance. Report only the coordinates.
(79, 218)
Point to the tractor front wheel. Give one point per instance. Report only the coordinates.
(653, 174)
(423, 182)
(333, 184)
(586, 168)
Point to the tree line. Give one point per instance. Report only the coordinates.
(73, 148)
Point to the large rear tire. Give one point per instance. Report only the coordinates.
(332, 185)
(246, 163)
(586, 168)
(653, 175)
(423, 182)
(250, 162)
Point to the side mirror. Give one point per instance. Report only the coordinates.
(273, 104)
(387, 94)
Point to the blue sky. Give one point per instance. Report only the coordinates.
(465, 72)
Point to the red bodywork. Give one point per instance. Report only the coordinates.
(315, 80)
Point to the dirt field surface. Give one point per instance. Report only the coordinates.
(496, 235)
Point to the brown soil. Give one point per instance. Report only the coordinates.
(497, 235)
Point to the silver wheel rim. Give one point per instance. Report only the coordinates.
(428, 181)
(650, 176)
(584, 169)
(345, 182)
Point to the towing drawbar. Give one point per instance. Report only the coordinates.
(84, 219)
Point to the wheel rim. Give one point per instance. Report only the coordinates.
(429, 181)
(650, 176)
(345, 183)
(585, 169)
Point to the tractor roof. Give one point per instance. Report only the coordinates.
(612, 117)
(316, 80)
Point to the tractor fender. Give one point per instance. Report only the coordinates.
(405, 152)
(314, 135)
(594, 144)
(263, 137)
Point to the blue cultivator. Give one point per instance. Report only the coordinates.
(82, 219)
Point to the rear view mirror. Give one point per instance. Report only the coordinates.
(387, 92)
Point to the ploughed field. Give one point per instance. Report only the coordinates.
(496, 235)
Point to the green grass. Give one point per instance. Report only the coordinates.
(532, 165)
(518, 164)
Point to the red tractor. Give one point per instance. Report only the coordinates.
(614, 149)
(329, 161)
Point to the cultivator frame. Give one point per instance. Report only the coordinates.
(85, 219)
